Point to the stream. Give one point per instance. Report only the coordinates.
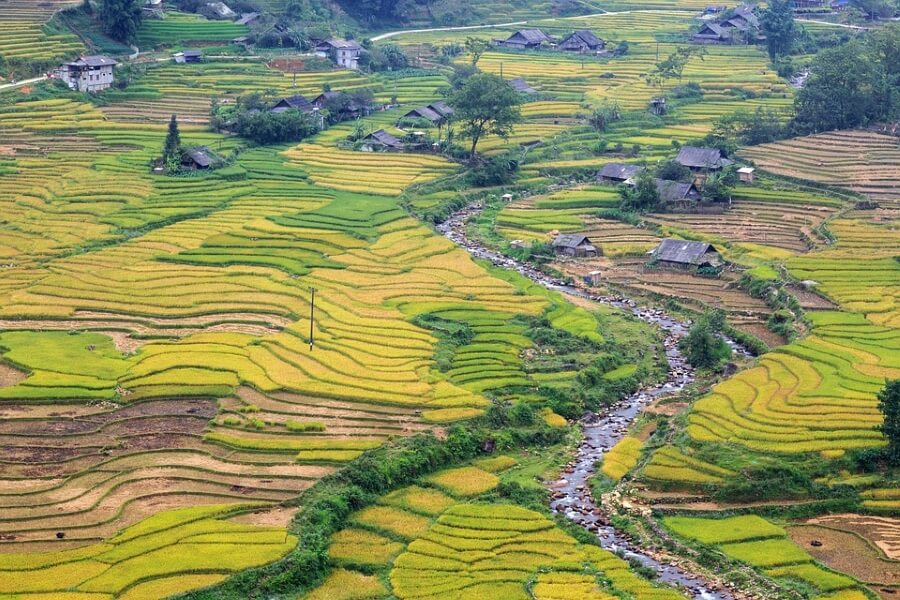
(571, 494)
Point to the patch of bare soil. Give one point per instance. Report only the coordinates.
(277, 516)
(124, 342)
(10, 376)
(846, 552)
(668, 409)
(772, 339)
(884, 532)
(810, 300)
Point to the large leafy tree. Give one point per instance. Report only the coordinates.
(847, 88)
(121, 18)
(778, 26)
(486, 105)
(889, 405)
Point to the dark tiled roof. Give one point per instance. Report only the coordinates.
(442, 108)
(672, 191)
(424, 112)
(619, 171)
(707, 158)
(338, 43)
(383, 137)
(193, 53)
(584, 36)
(682, 251)
(712, 29)
(570, 240)
(530, 36)
(297, 102)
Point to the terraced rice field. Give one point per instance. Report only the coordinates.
(861, 161)
(22, 35)
(423, 542)
(753, 540)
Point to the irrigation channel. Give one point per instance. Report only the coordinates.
(571, 495)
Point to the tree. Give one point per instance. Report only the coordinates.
(718, 186)
(484, 105)
(672, 67)
(762, 126)
(604, 115)
(846, 88)
(121, 18)
(777, 24)
(889, 405)
(703, 346)
(475, 47)
(673, 170)
(643, 195)
(172, 147)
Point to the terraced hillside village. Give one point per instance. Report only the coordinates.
(352, 300)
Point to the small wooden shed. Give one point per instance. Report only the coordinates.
(574, 244)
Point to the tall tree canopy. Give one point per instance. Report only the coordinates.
(889, 405)
(486, 105)
(847, 88)
(121, 18)
(778, 26)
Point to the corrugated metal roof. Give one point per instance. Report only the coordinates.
(699, 158)
(682, 251)
(570, 240)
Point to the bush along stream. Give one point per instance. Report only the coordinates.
(571, 494)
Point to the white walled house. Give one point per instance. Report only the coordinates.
(88, 73)
(344, 53)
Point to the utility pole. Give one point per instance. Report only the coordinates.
(312, 312)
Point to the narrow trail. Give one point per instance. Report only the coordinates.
(390, 34)
(8, 86)
(571, 494)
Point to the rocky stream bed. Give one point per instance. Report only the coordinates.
(571, 494)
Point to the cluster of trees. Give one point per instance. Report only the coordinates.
(265, 127)
(644, 196)
(120, 19)
(703, 346)
(852, 84)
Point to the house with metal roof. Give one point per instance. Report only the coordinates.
(199, 157)
(712, 33)
(380, 140)
(701, 159)
(88, 73)
(437, 113)
(582, 41)
(574, 244)
(295, 102)
(685, 254)
(526, 39)
(618, 172)
(343, 52)
(670, 192)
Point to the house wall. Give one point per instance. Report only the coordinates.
(87, 80)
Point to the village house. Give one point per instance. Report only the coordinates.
(618, 172)
(88, 73)
(701, 159)
(583, 41)
(381, 140)
(712, 33)
(746, 174)
(188, 56)
(296, 102)
(520, 85)
(676, 194)
(198, 158)
(437, 113)
(344, 53)
(574, 244)
(686, 255)
(525, 39)
(349, 109)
